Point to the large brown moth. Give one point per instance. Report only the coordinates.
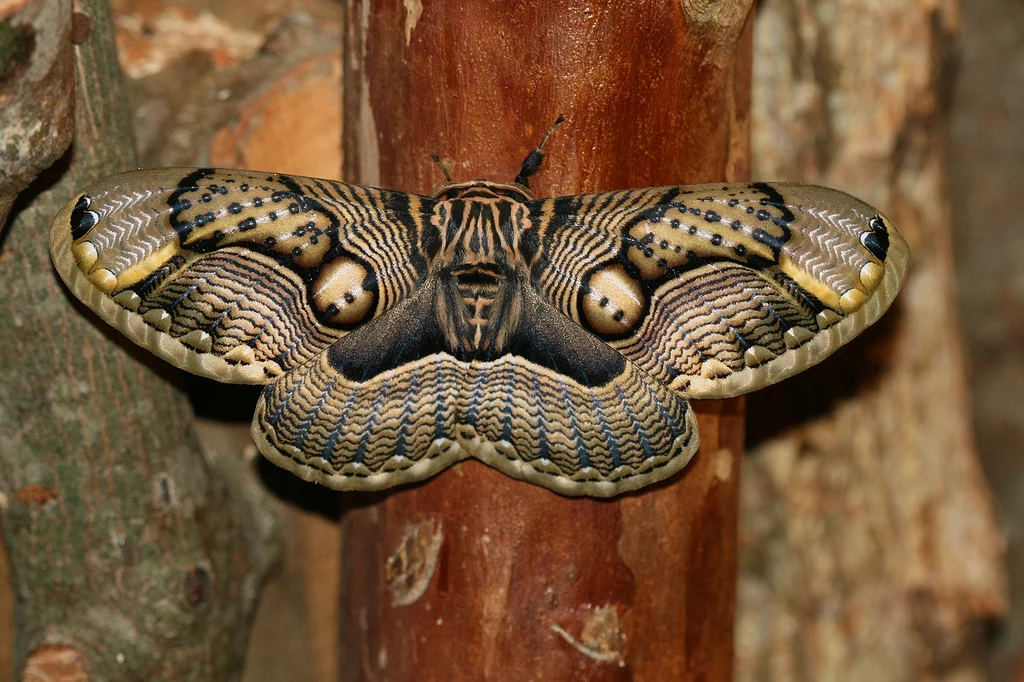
(555, 339)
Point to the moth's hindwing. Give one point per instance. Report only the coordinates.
(238, 275)
(717, 290)
(388, 405)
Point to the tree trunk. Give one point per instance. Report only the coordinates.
(474, 575)
(986, 148)
(870, 550)
(133, 555)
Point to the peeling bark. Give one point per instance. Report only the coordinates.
(36, 92)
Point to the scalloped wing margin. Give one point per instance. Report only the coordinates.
(386, 405)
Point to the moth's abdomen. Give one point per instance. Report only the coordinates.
(478, 312)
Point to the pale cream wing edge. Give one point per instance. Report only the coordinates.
(816, 349)
(467, 444)
(133, 326)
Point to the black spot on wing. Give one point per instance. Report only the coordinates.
(773, 198)
(769, 240)
(178, 203)
(82, 219)
(876, 241)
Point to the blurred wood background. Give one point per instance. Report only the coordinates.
(869, 548)
(137, 554)
(986, 177)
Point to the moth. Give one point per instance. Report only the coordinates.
(556, 339)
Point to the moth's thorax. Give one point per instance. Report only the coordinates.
(479, 297)
(479, 227)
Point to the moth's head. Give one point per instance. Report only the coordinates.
(518, 190)
(482, 189)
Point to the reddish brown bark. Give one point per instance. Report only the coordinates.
(474, 575)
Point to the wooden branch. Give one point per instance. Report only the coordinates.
(870, 548)
(133, 555)
(36, 92)
(474, 575)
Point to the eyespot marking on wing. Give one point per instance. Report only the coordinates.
(614, 301)
(341, 292)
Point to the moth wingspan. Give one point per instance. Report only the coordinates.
(717, 290)
(388, 405)
(237, 275)
(552, 339)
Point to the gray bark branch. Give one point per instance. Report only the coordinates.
(133, 555)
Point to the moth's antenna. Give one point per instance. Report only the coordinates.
(531, 164)
(444, 171)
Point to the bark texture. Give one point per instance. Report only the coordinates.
(870, 549)
(986, 182)
(474, 575)
(134, 556)
(264, 92)
(36, 92)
